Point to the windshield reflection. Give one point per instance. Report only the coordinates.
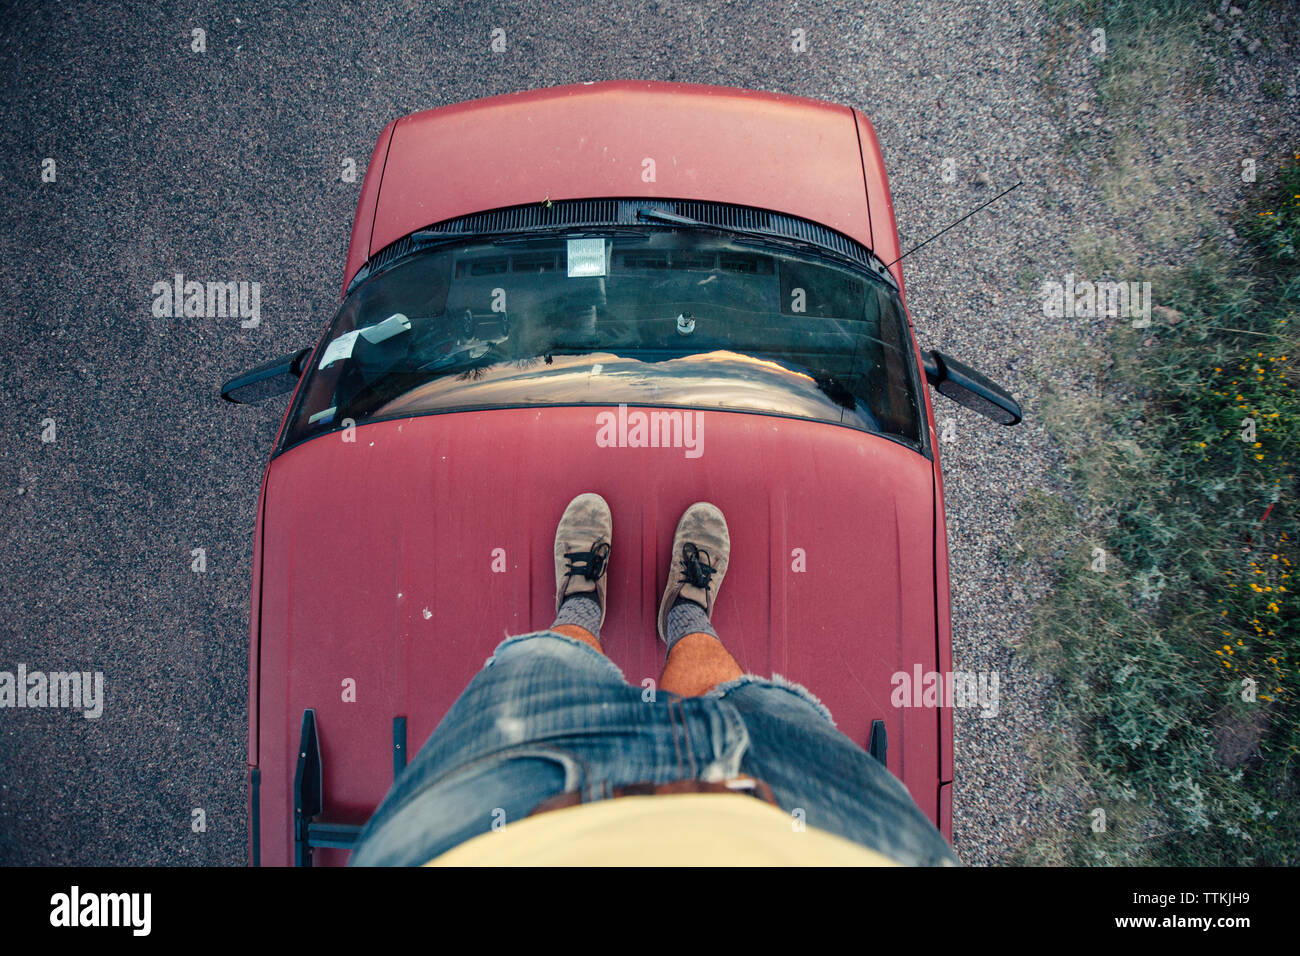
(715, 379)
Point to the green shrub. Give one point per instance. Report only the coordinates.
(1182, 447)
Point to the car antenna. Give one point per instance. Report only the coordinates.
(958, 222)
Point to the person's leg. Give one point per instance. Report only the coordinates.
(507, 742)
(701, 550)
(515, 737)
(696, 664)
(582, 547)
(811, 766)
(578, 634)
(793, 744)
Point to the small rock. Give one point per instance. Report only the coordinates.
(1149, 342)
(1254, 46)
(983, 179)
(1084, 107)
(1217, 26)
(22, 490)
(1165, 314)
(1234, 11)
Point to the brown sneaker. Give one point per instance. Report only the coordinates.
(582, 542)
(701, 549)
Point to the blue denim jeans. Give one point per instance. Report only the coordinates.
(549, 714)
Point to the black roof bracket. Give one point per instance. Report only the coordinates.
(309, 801)
(879, 745)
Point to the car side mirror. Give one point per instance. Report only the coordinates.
(267, 380)
(965, 386)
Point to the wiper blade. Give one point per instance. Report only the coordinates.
(427, 239)
(761, 236)
(663, 215)
(569, 232)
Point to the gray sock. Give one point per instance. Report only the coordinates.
(581, 610)
(686, 617)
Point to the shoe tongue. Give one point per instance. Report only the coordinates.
(579, 585)
(693, 595)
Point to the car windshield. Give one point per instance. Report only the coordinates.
(661, 317)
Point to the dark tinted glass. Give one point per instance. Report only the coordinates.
(675, 318)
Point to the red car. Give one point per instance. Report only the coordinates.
(678, 293)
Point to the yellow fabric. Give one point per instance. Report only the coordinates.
(696, 829)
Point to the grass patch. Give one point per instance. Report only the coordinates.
(1174, 626)
(1097, 254)
(1145, 159)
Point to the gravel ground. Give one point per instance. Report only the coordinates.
(226, 164)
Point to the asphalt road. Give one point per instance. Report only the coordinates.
(226, 164)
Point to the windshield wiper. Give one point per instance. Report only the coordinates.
(762, 236)
(568, 232)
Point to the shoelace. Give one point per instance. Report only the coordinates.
(590, 564)
(697, 566)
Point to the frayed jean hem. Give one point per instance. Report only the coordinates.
(568, 643)
(775, 682)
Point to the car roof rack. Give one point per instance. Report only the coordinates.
(309, 833)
